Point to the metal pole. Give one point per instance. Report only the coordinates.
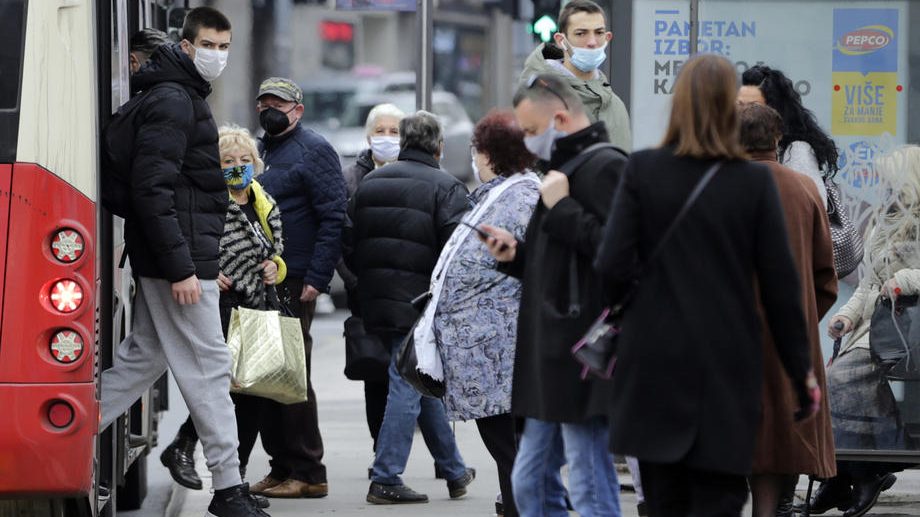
(694, 26)
(424, 73)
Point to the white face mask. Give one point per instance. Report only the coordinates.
(210, 62)
(385, 148)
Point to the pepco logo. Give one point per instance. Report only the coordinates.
(865, 40)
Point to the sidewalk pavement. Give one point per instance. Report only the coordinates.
(348, 455)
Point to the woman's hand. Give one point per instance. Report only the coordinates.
(500, 242)
(839, 327)
(224, 283)
(891, 289)
(809, 395)
(269, 272)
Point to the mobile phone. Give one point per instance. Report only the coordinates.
(482, 233)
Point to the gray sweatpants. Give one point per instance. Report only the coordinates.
(187, 339)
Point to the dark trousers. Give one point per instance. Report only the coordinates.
(248, 417)
(290, 432)
(498, 435)
(673, 490)
(375, 405)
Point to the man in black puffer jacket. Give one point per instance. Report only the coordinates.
(178, 204)
(402, 215)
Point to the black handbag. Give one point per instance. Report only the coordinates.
(848, 244)
(366, 358)
(407, 362)
(597, 349)
(894, 337)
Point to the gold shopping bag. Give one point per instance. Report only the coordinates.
(268, 355)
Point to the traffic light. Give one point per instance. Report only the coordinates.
(545, 18)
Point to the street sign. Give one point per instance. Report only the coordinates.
(545, 27)
(375, 5)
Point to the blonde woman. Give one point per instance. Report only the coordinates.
(865, 414)
(250, 263)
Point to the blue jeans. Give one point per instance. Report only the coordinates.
(544, 448)
(405, 406)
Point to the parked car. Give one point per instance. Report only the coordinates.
(349, 138)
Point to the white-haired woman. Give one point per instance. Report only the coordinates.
(382, 132)
(863, 408)
(250, 263)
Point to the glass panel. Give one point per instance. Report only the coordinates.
(12, 26)
(660, 45)
(850, 62)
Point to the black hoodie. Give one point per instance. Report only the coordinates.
(178, 192)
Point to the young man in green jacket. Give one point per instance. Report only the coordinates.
(583, 38)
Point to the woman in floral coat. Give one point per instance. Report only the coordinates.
(475, 323)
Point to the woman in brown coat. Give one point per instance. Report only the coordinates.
(786, 448)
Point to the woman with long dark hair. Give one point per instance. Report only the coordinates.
(686, 391)
(804, 146)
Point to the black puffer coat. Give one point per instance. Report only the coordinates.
(547, 383)
(402, 215)
(178, 194)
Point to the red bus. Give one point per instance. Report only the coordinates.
(64, 299)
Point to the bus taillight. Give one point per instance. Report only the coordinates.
(66, 296)
(67, 245)
(66, 346)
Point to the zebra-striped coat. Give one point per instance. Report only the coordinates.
(241, 249)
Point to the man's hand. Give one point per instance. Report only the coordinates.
(188, 291)
(308, 294)
(269, 272)
(501, 243)
(224, 282)
(555, 187)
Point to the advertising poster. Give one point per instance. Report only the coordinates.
(848, 61)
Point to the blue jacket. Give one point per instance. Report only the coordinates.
(303, 174)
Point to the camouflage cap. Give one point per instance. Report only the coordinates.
(282, 88)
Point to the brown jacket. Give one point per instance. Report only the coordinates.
(783, 446)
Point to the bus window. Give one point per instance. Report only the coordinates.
(12, 41)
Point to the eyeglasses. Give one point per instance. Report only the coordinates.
(535, 80)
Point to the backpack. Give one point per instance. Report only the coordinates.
(118, 152)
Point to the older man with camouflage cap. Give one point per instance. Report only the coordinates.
(303, 174)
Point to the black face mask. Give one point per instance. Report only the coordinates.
(274, 121)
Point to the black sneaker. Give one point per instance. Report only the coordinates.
(234, 502)
(457, 487)
(260, 501)
(394, 494)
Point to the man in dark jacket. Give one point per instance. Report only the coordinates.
(402, 215)
(303, 174)
(561, 296)
(178, 204)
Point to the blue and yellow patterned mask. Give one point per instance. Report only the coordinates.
(239, 177)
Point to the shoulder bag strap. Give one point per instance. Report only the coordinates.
(688, 204)
(691, 199)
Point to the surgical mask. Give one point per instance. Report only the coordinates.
(239, 177)
(541, 145)
(475, 167)
(274, 121)
(210, 62)
(587, 59)
(385, 148)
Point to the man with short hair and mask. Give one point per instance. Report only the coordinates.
(304, 175)
(566, 417)
(584, 39)
(178, 205)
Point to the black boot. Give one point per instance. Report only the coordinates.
(179, 458)
(833, 493)
(785, 506)
(866, 492)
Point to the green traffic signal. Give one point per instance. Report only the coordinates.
(545, 27)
